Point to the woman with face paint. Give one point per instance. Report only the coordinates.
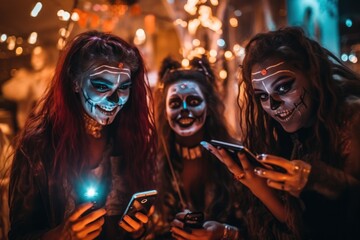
(87, 147)
(301, 109)
(192, 179)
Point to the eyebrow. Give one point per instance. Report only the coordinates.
(279, 79)
(127, 82)
(275, 82)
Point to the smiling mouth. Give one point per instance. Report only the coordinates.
(185, 122)
(286, 115)
(107, 111)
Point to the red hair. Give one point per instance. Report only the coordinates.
(58, 122)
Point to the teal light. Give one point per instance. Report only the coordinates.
(348, 22)
(91, 192)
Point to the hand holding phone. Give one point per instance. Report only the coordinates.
(193, 220)
(140, 202)
(233, 149)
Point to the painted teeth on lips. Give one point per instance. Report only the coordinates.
(106, 112)
(284, 115)
(106, 108)
(186, 121)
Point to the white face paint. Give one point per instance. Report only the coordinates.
(283, 93)
(185, 107)
(105, 92)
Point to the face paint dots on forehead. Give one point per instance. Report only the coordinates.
(183, 85)
(269, 72)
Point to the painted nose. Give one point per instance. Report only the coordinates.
(113, 97)
(184, 105)
(184, 108)
(274, 103)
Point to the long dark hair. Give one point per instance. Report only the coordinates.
(215, 127)
(331, 82)
(54, 131)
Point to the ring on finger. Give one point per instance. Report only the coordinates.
(296, 168)
(239, 177)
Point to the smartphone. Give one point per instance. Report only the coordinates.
(232, 149)
(235, 148)
(140, 202)
(194, 220)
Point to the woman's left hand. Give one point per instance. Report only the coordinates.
(211, 230)
(293, 179)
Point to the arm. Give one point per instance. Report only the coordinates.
(29, 208)
(247, 177)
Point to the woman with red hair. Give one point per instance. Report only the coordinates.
(87, 147)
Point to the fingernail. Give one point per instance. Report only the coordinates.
(259, 171)
(261, 156)
(219, 148)
(205, 145)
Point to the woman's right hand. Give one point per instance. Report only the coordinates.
(78, 227)
(244, 174)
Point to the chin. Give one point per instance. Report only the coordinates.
(186, 133)
(291, 129)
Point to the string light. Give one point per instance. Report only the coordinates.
(37, 8)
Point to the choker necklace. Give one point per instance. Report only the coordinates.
(189, 153)
(92, 127)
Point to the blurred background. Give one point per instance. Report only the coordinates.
(33, 32)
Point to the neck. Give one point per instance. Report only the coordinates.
(190, 141)
(189, 147)
(92, 127)
(188, 153)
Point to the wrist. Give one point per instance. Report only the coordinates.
(140, 233)
(230, 232)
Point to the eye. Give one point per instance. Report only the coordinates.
(125, 86)
(283, 88)
(194, 101)
(100, 87)
(174, 103)
(262, 96)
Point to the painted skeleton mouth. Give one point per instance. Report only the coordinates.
(285, 115)
(185, 122)
(108, 111)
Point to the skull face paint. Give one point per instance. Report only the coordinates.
(185, 107)
(104, 92)
(283, 93)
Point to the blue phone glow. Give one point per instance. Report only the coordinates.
(91, 192)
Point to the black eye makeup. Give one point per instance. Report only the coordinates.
(194, 101)
(126, 85)
(263, 96)
(175, 103)
(100, 85)
(285, 86)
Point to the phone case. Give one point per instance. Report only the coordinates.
(140, 202)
